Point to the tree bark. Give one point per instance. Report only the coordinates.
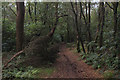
(85, 20)
(56, 18)
(99, 23)
(4, 15)
(20, 25)
(76, 24)
(81, 13)
(89, 22)
(78, 35)
(115, 6)
(35, 11)
(102, 23)
(68, 31)
(30, 12)
(86, 8)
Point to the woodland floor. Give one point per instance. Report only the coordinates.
(68, 66)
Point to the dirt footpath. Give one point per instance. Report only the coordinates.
(68, 66)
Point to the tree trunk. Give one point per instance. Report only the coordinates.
(45, 16)
(86, 8)
(77, 29)
(56, 17)
(99, 23)
(89, 22)
(81, 13)
(20, 25)
(115, 6)
(76, 24)
(118, 43)
(4, 15)
(68, 32)
(30, 12)
(85, 20)
(102, 23)
(35, 11)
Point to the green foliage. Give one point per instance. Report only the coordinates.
(102, 57)
(105, 56)
(74, 50)
(28, 72)
(92, 43)
(56, 38)
(43, 48)
(101, 60)
(8, 39)
(108, 74)
(69, 45)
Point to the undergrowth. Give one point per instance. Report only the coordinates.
(28, 72)
(102, 59)
(41, 48)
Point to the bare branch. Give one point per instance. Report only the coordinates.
(109, 5)
(73, 8)
(12, 10)
(82, 13)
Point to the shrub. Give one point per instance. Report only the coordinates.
(42, 47)
(108, 74)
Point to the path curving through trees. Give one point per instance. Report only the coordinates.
(68, 66)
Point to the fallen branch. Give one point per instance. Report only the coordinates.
(13, 58)
(49, 36)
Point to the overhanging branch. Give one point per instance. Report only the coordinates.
(109, 5)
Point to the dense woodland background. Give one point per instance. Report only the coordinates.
(37, 29)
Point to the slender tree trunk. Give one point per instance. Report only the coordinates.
(68, 32)
(99, 23)
(102, 23)
(81, 9)
(81, 13)
(78, 34)
(76, 24)
(115, 6)
(19, 25)
(4, 15)
(82, 45)
(56, 17)
(118, 43)
(45, 15)
(35, 11)
(62, 38)
(89, 22)
(79, 38)
(85, 19)
(30, 12)
(86, 8)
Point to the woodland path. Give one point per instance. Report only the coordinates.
(68, 66)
